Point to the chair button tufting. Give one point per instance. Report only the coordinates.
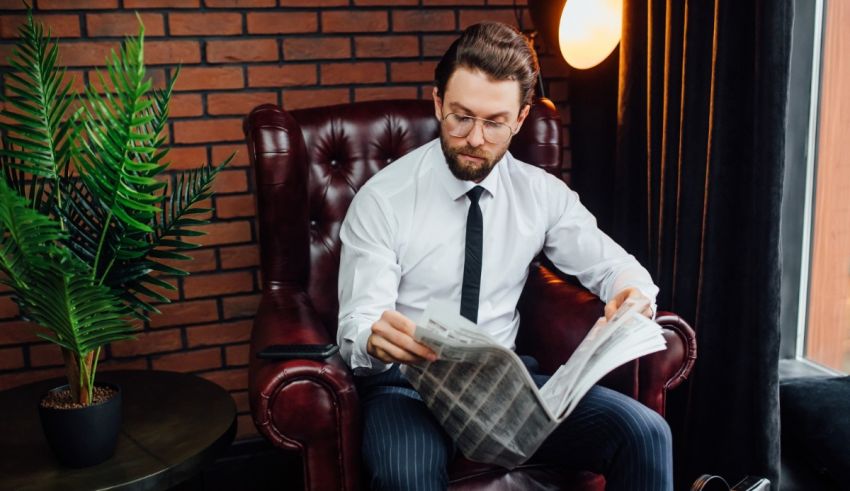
(313, 224)
(389, 160)
(333, 163)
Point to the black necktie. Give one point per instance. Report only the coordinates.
(472, 261)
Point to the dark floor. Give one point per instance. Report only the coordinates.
(254, 465)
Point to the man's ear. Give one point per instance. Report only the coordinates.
(523, 113)
(438, 105)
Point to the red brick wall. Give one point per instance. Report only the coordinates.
(235, 55)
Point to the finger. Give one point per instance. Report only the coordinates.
(374, 350)
(399, 321)
(381, 355)
(395, 353)
(639, 298)
(400, 329)
(373, 347)
(610, 309)
(405, 342)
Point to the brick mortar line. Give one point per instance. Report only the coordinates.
(318, 10)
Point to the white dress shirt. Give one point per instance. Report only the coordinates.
(404, 239)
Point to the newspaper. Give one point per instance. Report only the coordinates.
(485, 398)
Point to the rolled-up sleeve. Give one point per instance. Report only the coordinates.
(369, 276)
(578, 247)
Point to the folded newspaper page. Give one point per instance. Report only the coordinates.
(485, 398)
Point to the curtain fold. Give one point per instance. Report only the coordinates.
(697, 186)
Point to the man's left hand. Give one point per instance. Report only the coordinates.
(633, 293)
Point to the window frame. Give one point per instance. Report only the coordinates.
(801, 151)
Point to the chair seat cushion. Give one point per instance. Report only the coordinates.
(816, 423)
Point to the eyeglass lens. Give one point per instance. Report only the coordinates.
(494, 132)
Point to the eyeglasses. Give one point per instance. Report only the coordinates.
(494, 132)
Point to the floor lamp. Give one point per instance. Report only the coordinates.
(587, 33)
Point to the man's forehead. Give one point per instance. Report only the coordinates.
(476, 93)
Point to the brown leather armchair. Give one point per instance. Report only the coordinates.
(308, 165)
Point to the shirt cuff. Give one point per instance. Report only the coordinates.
(362, 363)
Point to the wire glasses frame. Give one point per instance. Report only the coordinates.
(495, 132)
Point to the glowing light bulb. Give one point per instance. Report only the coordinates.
(589, 31)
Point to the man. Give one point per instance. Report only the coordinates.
(460, 219)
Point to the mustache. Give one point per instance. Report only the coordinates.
(467, 150)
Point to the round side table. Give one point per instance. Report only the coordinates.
(173, 424)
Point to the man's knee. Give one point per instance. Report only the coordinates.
(648, 427)
(631, 420)
(658, 428)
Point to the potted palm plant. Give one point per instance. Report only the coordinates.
(88, 215)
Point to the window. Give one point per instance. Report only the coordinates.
(816, 203)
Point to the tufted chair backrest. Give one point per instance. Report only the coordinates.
(309, 163)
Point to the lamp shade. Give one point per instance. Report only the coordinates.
(587, 30)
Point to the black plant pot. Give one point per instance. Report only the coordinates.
(84, 436)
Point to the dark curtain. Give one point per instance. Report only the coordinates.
(696, 196)
(593, 110)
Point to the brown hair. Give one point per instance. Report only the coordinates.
(498, 50)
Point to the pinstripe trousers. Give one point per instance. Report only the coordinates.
(405, 448)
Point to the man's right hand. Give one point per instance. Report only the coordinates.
(392, 340)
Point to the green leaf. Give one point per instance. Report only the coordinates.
(28, 237)
(38, 129)
(117, 136)
(161, 254)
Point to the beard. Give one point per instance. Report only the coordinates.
(470, 171)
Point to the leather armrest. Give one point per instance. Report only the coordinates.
(305, 405)
(664, 370)
(556, 315)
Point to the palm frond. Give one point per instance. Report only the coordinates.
(82, 315)
(28, 239)
(38, 134)
(114, 161)
(192, 187)
(160, 100)
(84, 217)
(134, 275)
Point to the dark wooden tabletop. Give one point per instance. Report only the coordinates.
(174, 423)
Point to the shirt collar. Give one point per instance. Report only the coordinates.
(457, 188)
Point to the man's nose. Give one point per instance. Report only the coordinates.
(475, 138)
